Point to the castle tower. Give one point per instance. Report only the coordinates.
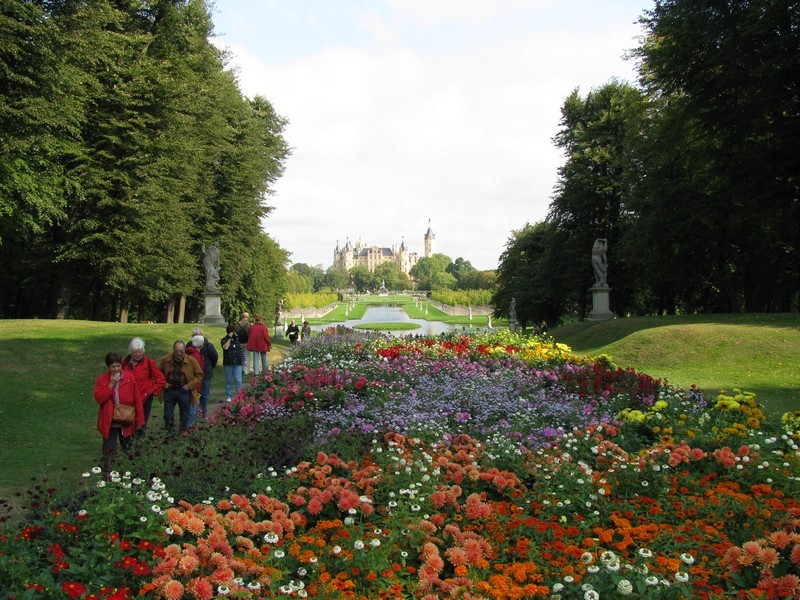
(429, 238)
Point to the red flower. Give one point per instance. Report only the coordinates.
(127, 562)
(58, 566)
(56, 551)
(73, 589)
(141, 569)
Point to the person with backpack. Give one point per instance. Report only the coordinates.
(232, 357)
(148, 377)
(242, 330)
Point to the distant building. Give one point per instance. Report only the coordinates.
(359, 254)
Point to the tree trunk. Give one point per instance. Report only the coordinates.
(58, 297)
(171, 311)
(181, 308)
(143, 310)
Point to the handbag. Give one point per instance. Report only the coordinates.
(124, 415)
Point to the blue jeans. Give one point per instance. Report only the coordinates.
(259, 357)
(183, 399)
(233, 377)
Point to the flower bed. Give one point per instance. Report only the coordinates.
(492, 467)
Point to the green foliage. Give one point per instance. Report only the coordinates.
(307, 300)
(264, 282)
(393, 278)
(462, 297)
(362, 280)
(431, 273)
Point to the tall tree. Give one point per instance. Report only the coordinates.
(736, 65)
(159, 152)
(430, 273)
(530, 273)
(393, 277)
(363, 280)
(40, 112)
(590, 199)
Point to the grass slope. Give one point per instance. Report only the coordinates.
(759, 353)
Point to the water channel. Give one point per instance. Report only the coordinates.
(395, 314)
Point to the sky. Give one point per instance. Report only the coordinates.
(409, 113)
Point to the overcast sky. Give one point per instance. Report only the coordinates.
(405, 111)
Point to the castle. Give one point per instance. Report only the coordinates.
(371, 256)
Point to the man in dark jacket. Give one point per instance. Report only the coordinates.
(210, 358)
(242, 330)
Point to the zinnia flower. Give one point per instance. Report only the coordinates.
(73, 589)
(624, 587)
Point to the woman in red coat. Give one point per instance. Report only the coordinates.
(259, 343)
(150, 379)
(116, 386)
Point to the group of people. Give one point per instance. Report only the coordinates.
(295, 334)
(180, 379)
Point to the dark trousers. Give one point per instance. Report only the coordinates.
(110, 446)
(147, 405)
(183, 399)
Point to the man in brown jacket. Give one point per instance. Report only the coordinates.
(183, 375)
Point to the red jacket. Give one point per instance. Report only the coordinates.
(258, 339)
(128, 394)
(149, 377)
(195, 354)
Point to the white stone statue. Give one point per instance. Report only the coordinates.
(600, 262)
(211, 265)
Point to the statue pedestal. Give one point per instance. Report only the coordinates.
(213, 315)
(513, 325)
(600, 306)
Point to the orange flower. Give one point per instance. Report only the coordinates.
(173, 590)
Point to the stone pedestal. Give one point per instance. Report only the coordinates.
(513, 325)
(600, 305)
(213, 315)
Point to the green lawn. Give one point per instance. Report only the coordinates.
(756, 352)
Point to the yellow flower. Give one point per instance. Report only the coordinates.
(660, 405)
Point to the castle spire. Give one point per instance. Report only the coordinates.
(429, 238)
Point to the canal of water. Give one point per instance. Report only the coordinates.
(395, 314)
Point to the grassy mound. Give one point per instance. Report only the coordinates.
(760, 353)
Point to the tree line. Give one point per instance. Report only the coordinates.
(436, 272)
(691, 176)
(125, 146)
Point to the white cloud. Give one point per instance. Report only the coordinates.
(397, 130)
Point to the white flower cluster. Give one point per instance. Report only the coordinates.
(156, 493)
